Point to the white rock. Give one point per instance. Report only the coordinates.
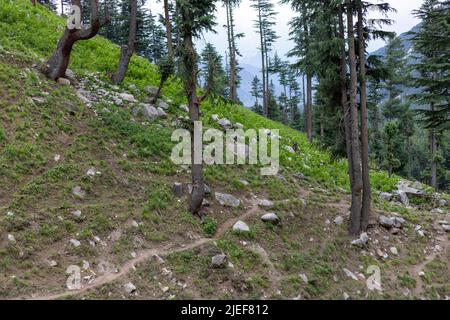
(76, 213)
(78, 192)
(350, 274)
(127, 97)
(394, 251)
(10, 214)
(57, 158)
(289, 149)
(75, 243)
(270, 217)
(227, 200)
(339, 220)
(265, 204)
(129, 288)
(304, 277)
(11, 238)
(86, 265)
(63, 81)
(215, 117)
(363, 240)
(241, 227)
(219, 261)
(346, 296)
(225, 123)
(52, 263)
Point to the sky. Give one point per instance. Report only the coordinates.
(245, 15)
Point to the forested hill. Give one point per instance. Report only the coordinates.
(87, 185)
(406, 43)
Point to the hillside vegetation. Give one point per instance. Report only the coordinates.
(89, 183)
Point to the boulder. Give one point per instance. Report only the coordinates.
(79, 193)
(70, 75)
(219, 261)
(386, 196)
(63, 81)
(227, 200)
(163, 105)
(151, 90)
(339, 220)
(241, 227)
(405, 186)
(75, 243)
(129, 288)
(152, 113)
(403, 197)
(127, 97)
(265, 204)
(270, 217)
(363, 240)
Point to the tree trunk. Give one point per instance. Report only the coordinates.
(367, 192)
(355, 218)
(344, 98)
(57, 65)
(233, 63)
(127, 51)
(308, 109)
(33, 2)
(190, 65)
(434, 150)
(263, 66)
(168, 28)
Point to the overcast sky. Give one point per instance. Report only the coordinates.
(248, 45)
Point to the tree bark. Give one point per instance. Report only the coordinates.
(189, 59)
(263, 66)
(127, 51)
(168, 28)
(355, 217)
(233, 63)
(57, 65)
(367, 192)
(434, 150)
(308, 109)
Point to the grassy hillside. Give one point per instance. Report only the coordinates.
(49, 139)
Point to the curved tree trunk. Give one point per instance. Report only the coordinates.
(57, 65)
(367, 192)
(168, 28)
(355, 218)
(127, 51)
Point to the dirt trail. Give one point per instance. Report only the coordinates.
(146, 255)
(444, 242)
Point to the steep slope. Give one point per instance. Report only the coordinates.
(124, 225)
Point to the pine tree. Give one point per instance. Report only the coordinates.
(195, 17)
(212, 71)
(432, 46)
(257, 94)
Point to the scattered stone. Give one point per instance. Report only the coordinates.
(363, 240)
(244, 182)
(299, 176)
(163, 105)
(386, 196)
(304, 277)
(437, 211)
(270, 217)
(10, 214)
(134, 224)
(129, 288)
(215, 117)
(225, 123)
(133, 255)
(219, 261)
(421, 274)
(327, 221)
(75, 243)
(289, 149)
(227, 200)
(92, 172)
(127, 97)
(76, 213)
(339, 220)
(63, 81)
(151, 112)
(185, 108)
(241, 227)
(86, 265)
(177, 189)
(11, 238)
(443, 203)
(265, 204)
(57, 158)
(403, 198)
(151, 90)
(78, 192)
(346, 296)
(167, 273)
(394, 231)
(350, 274)
(394, 251)
(387, 222)
(158, 259)
(70, 75)
(52, 263)
(382, 254)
